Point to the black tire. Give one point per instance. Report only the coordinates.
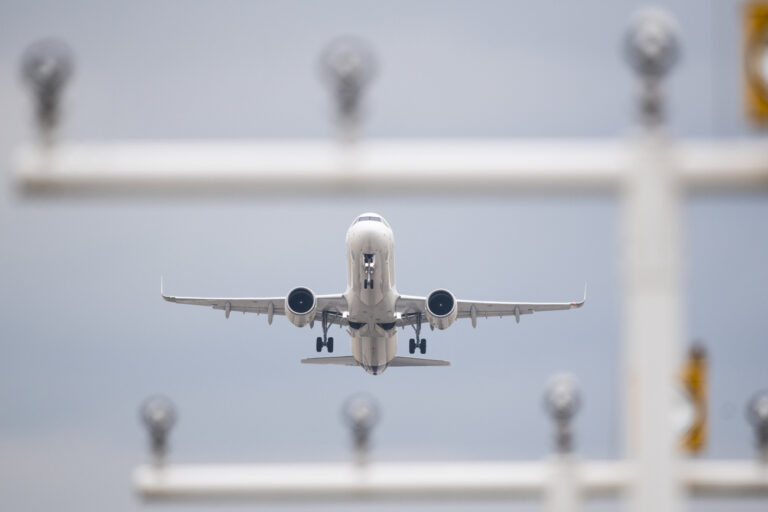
(411, 346)
(365, 284)
(319, 345)
(423, 346)
(370, 284)
(330, 345)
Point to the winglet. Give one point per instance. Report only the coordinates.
(581, 303)
(164, 296)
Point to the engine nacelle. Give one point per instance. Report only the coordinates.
(300, 304)
(441, 309)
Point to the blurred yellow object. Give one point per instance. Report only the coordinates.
(755, 28)
(694, 380)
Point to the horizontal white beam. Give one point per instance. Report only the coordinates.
(416, 166)
(726, 477)
(424, 481)
(382, 481)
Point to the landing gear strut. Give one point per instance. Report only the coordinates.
(368, 266)
(325, 341)
(420, 343)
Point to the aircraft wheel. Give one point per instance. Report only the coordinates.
(330, 345)
(319, 345)
(423, 346)
(365, 284)
(411, 345)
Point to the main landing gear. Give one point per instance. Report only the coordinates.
(325, 341)
(420, 343)
(412, 344)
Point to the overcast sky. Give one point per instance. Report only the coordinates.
(85, 337)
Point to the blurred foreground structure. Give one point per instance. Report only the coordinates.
(650, 173)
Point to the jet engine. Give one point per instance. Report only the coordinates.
(441, 309)
(300, 304)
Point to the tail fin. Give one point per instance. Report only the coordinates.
(340, 360)
(416, 361)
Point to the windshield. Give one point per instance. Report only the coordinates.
(368, 217)
(372, 217)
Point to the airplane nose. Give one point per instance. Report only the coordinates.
(373, 233)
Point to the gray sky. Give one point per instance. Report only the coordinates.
(85, 336)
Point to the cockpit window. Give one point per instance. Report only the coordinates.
(368, 217)
(374, 218)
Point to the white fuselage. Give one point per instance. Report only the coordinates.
(371, 294)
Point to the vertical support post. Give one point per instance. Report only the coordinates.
(563, 493)
(652, 324)
(651, 215)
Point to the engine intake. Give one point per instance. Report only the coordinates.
(300, 304)
(441, 309)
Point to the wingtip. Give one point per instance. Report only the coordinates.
(580, 303)
(163, 295)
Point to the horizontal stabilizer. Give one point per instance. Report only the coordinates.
(339, 360)
(416, 361)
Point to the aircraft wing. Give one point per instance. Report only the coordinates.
(412, 308)
(336, 304)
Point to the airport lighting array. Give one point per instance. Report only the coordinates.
(650, 174)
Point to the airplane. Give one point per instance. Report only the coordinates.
(371, 307)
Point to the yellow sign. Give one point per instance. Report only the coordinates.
(755, 27)
(694, 379)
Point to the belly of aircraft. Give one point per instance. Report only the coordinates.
(373, 352)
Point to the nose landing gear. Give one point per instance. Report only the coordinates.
(368, 269)
(417, 342)
(325, 341)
